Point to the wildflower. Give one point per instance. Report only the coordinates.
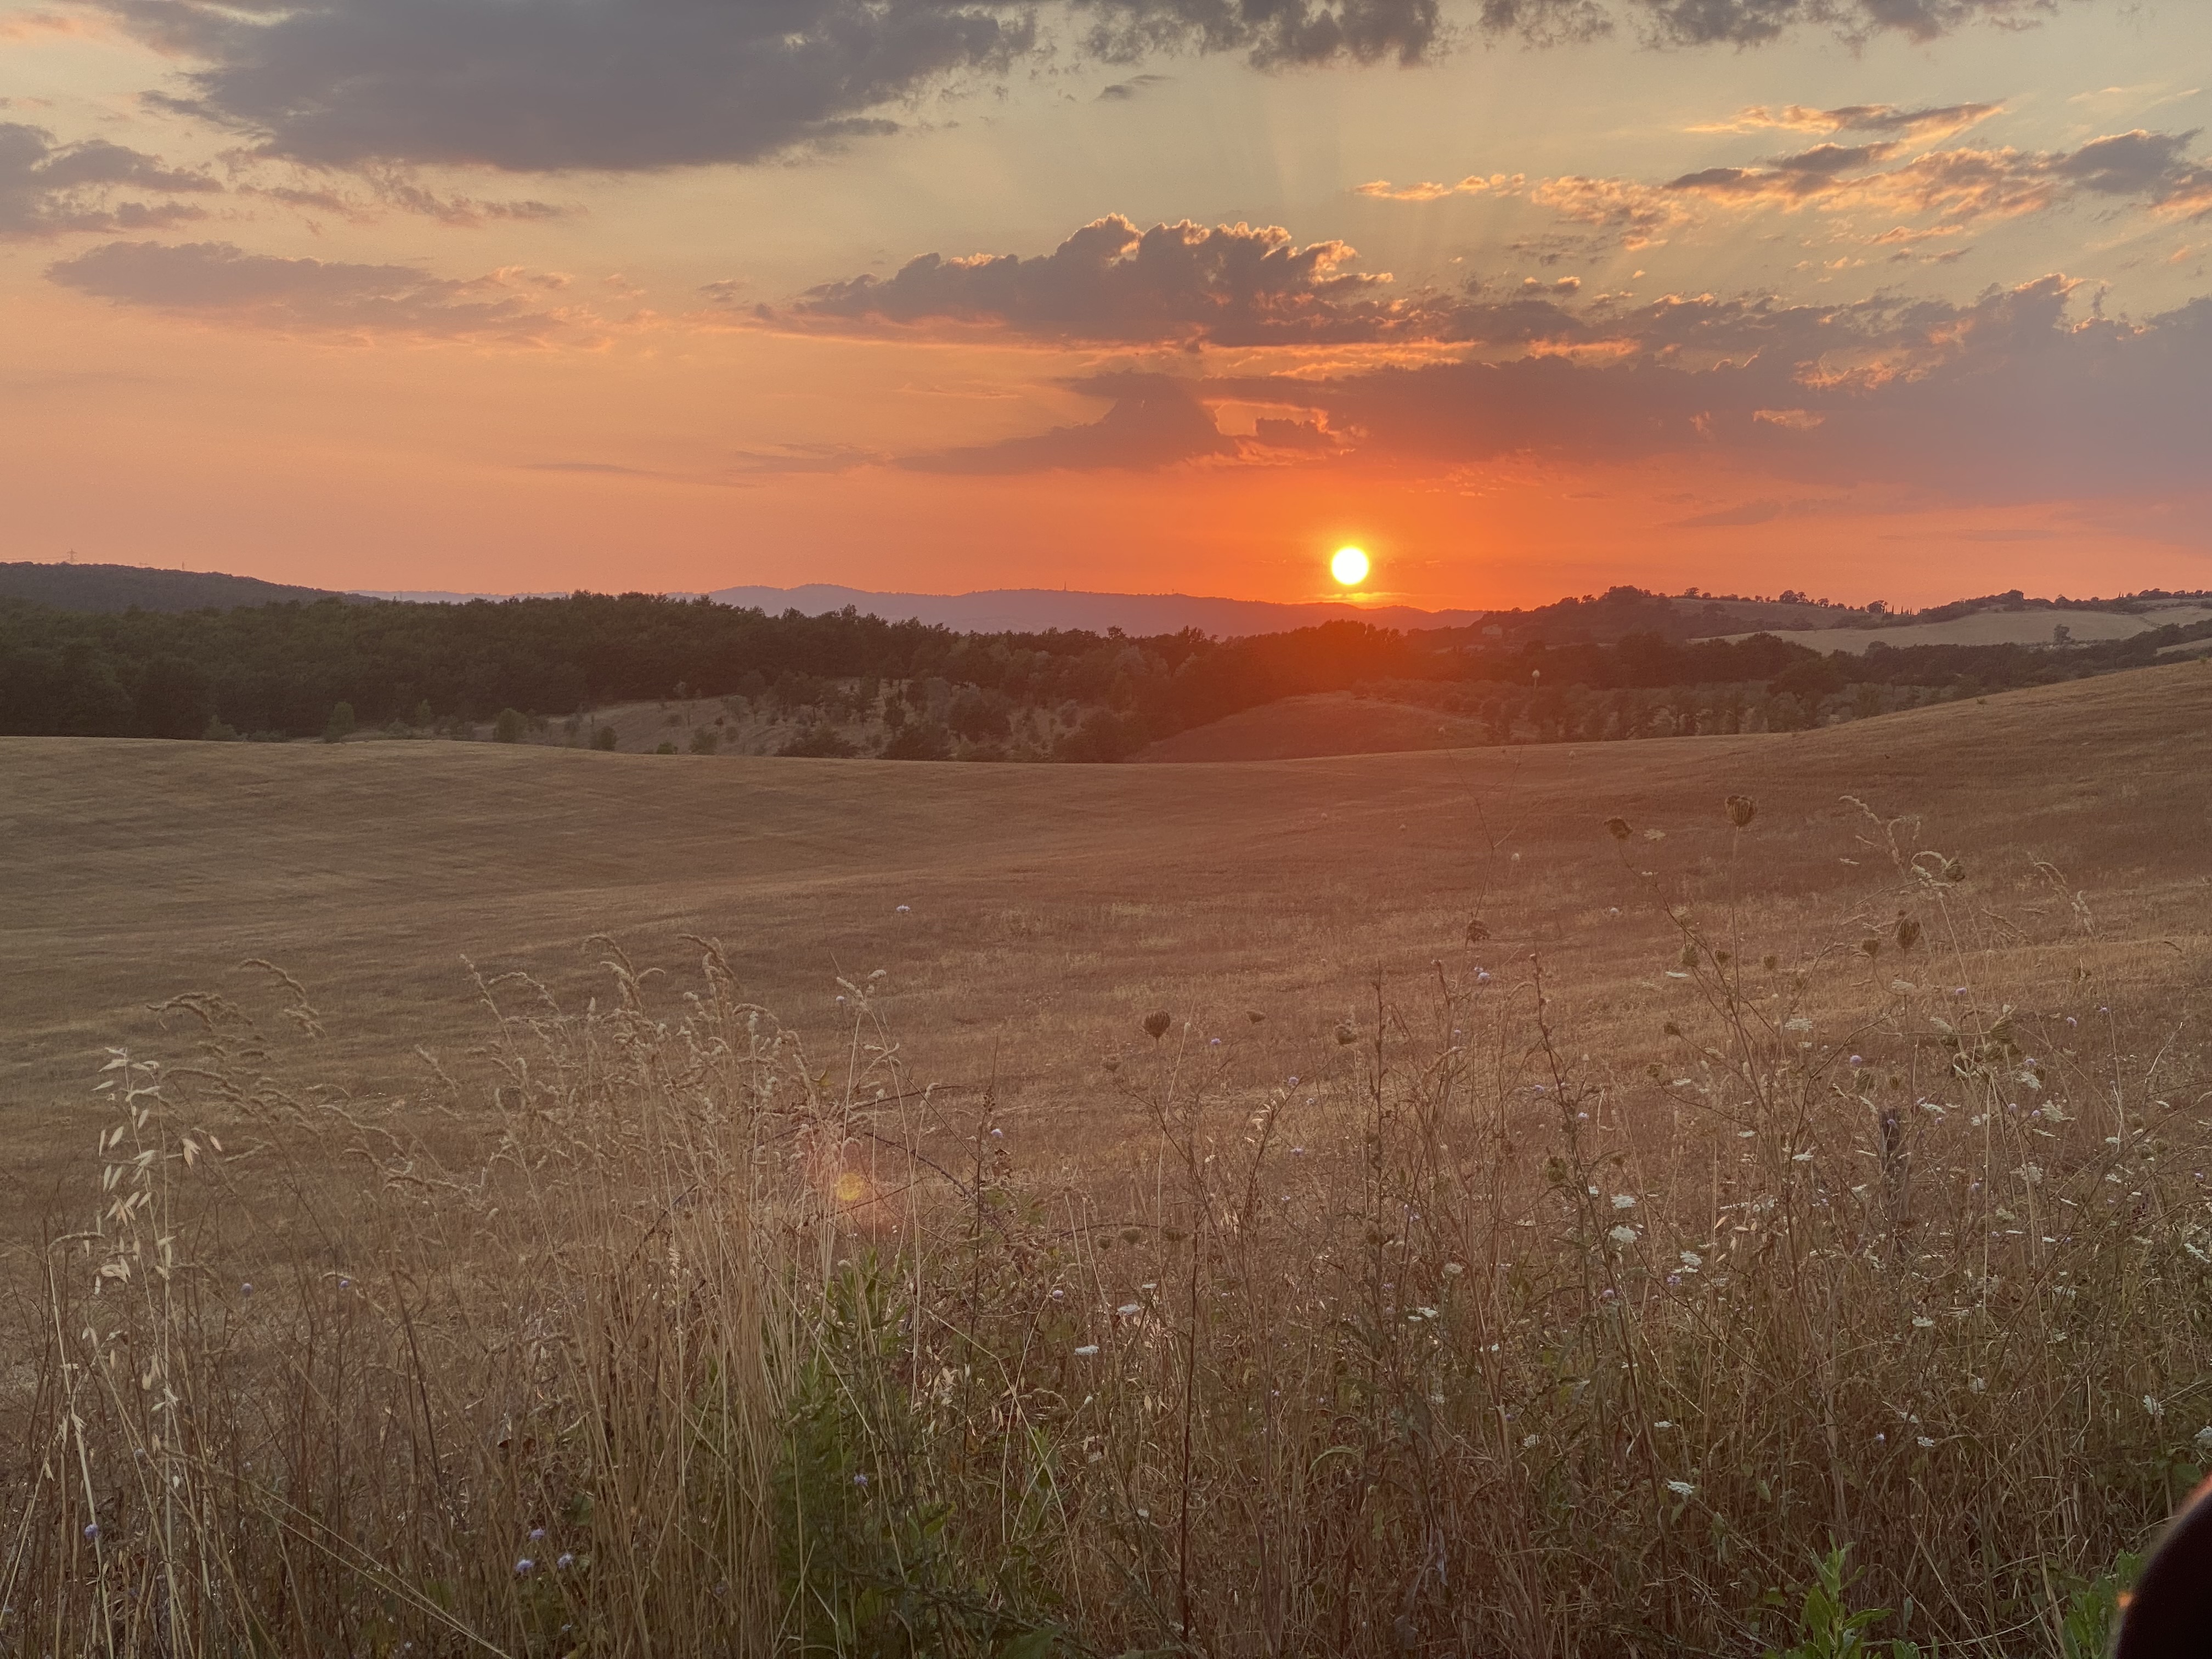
(1858, 1059)
(1662, 1423)
(1454, 1269)
(1624, 1200)
(998, 1134)
(1881, 1440)
(91, 1532)
(1623, 1236)
(563, 1561)
(1921, 1322)
(2154, 1406)
(1087, 1351)
(1482, 976)
(1673, 1280)
(245, 1289)
(859, 1480)
(1976, 1384)
(1213, 1042)
(1681, 1489)
(1691, 1262)
(1293, 1082)
(1529, 1440)
(903, 909)
(525, 1567)
(1607, 1294)
(2204, 1437)
(1130, 1309)
(537, 1535)
(1922, 1442)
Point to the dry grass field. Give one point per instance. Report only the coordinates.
(1046, 907)
(1591, 1282)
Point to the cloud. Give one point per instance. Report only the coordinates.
(47, 188)
(558, 85)
(1960, 185)
(1473, 185)
(1751, 23)
(219, 282)
(553, 86)
(2008, 397)
(1122, 91)
(1926, 124)
(1224, 285)
(1153, 422)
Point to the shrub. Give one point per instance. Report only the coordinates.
(822, 740)
(705, 740)
(665, 749)
(340, 726)
(510, 726)
(603, 737)
(919, 740)
(216, 732)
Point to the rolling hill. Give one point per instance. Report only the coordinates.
(1026, 916)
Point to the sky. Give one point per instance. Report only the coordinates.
(1904, 300)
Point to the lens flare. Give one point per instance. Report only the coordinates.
(1349, 566)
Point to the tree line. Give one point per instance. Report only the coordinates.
(280, 670)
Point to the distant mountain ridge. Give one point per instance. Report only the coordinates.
(1039, 610)
(114, 587)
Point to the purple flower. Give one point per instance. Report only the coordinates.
(525, 1567)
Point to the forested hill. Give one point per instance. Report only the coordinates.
(859, 685)
(104, 587)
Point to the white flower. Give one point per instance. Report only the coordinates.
(1528, 1440)
(1087, 1351)
(1624, 1201)
(2204, 1437)
(2031, 1173)
(1921, 1322)
(1691, 1261)
(1130, 1309)
(904, 909)
(1454, 1269)
(2154, 1406)
(1976, 1384)
(1623, 1236)
(1681, 1489)
(1924, 1442)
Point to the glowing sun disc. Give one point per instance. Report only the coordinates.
(1349, 566)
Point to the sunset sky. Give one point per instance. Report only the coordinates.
(1881, 299)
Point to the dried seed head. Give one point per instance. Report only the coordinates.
(1871, 945)
(1619, 829)
(1256, 1017)
(1689, 957)
(1954, 871)
(1477, 930)
(1156, 1023)
(1347, 1033)
(1908, 932)
(1113, 1065)
(1741, 809)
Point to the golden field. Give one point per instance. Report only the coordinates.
(1598, 1224)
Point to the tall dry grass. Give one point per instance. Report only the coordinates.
(667, 1336)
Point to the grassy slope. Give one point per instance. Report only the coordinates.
(1050, 906)
(1326, 723)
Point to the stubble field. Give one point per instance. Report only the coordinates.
(1530, 1044)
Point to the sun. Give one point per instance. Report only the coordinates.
(1349, 566)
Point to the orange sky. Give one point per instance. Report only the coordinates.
(1785, 316)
